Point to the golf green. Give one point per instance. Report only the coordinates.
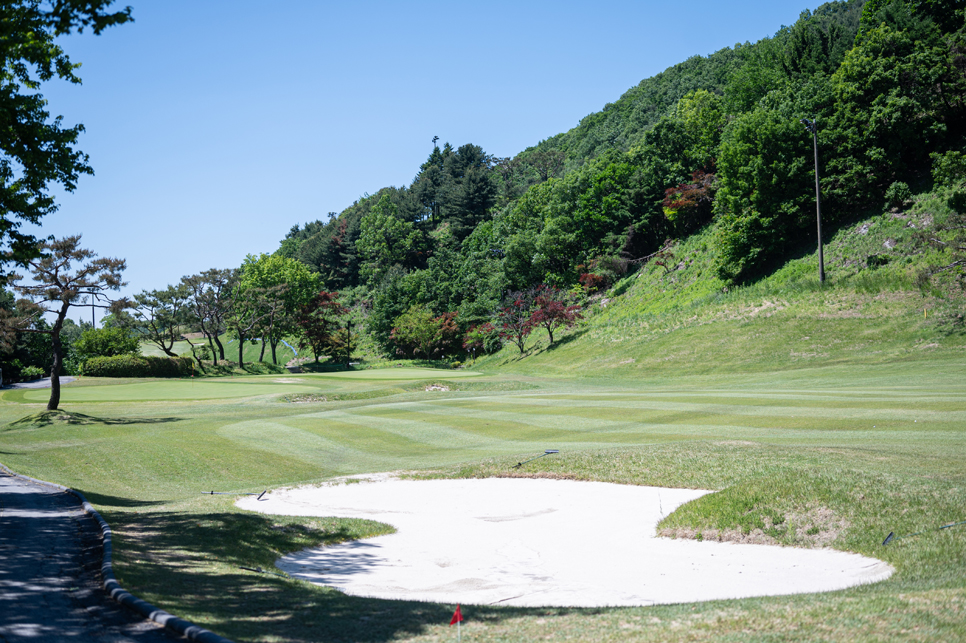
(396, 374)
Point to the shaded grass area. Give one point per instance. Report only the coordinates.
(813, 457)
(47, 418)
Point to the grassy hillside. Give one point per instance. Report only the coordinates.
(682, 319)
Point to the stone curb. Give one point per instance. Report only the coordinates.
(182, 627)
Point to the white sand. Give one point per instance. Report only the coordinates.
(537, 542)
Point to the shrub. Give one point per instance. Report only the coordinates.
(484, 338)
(31, 373)
(106, 342)
(593, 283)
(418, 333)
(138, 366)
(897, 195)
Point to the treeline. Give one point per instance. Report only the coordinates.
(716, 140)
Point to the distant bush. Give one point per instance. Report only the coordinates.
(138, 366)
(106, 342)
(897, 194)
(31, 373)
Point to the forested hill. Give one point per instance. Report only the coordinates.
(817, 42)
(714, 145)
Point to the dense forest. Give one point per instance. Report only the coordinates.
(477, 250)
(715, 140)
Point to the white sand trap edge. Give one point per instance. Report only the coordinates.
(538, 542)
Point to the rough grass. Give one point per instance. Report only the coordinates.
(684, 320)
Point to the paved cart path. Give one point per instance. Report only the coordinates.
(50, 582)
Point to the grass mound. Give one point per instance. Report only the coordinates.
(490, 385)
(315, 398)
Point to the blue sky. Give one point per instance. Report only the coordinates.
(214, 126)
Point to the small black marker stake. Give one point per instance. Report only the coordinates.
(892, 535)
(545, 453)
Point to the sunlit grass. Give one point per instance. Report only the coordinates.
(833, 456)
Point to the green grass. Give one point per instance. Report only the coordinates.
(838, 455)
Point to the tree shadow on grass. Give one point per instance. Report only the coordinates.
(48, 418)
(170, 552)
(566, 339)
(104, 500)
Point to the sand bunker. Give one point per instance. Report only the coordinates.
(538, 542)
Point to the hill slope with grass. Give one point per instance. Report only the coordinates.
(875, 307)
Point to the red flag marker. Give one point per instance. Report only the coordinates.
(457, 616)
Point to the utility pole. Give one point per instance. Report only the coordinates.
(812, 126)
(348, 343)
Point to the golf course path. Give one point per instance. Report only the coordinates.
(50, 582)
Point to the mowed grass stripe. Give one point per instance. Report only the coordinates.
(603, 407)
(583, 427)
(176, 390)
(395, 418)
(132, 468)
(291, 443)
(361, 437)
(469, 417)
(925, 402)
(492, 430)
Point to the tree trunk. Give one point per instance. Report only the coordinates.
(214, 355)
(241, 350)
(195, 355)
(221, 349)
(261, 354)
(54, 401)
(274, 346)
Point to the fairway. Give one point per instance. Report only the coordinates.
(227, 388)
(172, 390)
(834, 457)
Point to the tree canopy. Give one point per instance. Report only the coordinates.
(36, 150)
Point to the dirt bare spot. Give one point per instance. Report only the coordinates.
(437, 387)
(536, 474)
(755, 537)
(306, 399)
(816, 527)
